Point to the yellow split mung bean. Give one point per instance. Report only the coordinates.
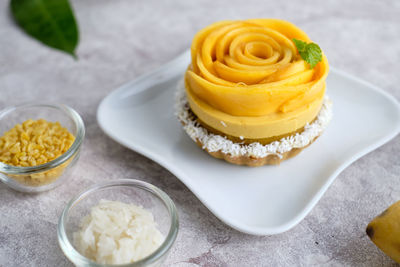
(32, 143)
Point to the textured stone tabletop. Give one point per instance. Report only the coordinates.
(121, 39)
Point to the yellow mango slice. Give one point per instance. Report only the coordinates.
(244, 76)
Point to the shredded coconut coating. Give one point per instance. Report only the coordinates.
(213, 143)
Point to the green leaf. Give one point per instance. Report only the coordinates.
(301, 46)
(51, 22)
(311, 52)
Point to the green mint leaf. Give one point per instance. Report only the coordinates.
(51, 22)
(311, 52)
(301, 46)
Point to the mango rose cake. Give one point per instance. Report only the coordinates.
(254, 93)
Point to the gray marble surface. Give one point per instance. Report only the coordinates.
(122, 39)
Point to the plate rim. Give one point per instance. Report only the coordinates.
(253, 230)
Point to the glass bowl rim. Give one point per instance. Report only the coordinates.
(77, 258)
(71, 113)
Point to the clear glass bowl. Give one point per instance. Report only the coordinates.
(51, 174)
(129, 191)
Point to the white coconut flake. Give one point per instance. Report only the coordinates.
(223, 124)
(117, 233)
(214, 143)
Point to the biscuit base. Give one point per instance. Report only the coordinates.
(253, 161)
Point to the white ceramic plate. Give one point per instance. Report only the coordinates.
(264, 200)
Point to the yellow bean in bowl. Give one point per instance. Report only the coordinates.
(36, 153)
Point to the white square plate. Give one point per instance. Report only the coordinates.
(264, 200)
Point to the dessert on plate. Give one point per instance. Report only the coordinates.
(254, 93)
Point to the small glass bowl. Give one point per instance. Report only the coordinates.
(51, 174)
(129, 191)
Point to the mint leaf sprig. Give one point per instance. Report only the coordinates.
(311, 52)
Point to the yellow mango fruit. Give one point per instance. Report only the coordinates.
(384, 231)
